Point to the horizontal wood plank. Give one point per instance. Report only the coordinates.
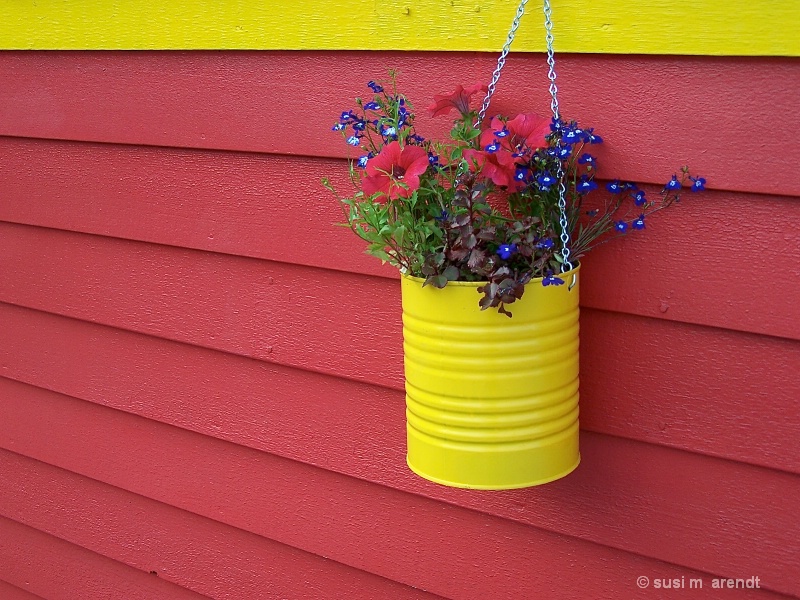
(735, 27)
(183, 548)
(655, 113)
(12, 592)
(310, 318)
(640, 379)
(747, 511)
(57, 570)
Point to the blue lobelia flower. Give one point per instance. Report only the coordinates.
(375, 87)
(639, 198)
(546, 243)
(545, 181)
(621, 226)
(585, 185)
(591, 138)
(615, 187)
(572, 136)
(673, 184)
(493, 147)
(359, 125)
(552, 280)
(586, 159)
(372, 106)
(505, 251)
(502, 133)
(362, 160)
(433, 160)
(638, 223)
(338, 127)
(562, 152)
(353, 140)
(522, 174)
(698, 184)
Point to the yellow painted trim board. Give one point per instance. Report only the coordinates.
(694, 27)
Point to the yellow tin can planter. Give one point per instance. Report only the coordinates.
(491, 401)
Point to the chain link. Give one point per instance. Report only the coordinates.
(562, 191)
(501, 62)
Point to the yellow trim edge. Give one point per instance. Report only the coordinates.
(681, 27)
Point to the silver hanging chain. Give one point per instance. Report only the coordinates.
(551, 75)
(501, 62)
(562, 192)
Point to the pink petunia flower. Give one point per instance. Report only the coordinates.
(444, 103)
(395, 171)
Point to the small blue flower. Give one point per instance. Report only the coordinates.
(359, 126)
(375, 87)
(586, 159)
(698, 184)
(493, 147)
(591, 138)
(388, 132)
(443, 216)
(347, 116)
(621, 226)
(546, 243)
(362, 160)
(572, 136)
(338, 127)
(522, 174)
(505, 251)
(585, 185)
(615, 187)
(417, 139)
(556, 125)
(502, 133)
(545, 181)
(673, 184)
(552, 280)
(563, 152)
(372, 106)
(433, 160)
(353, 140)
(639, 198)
(638, 223)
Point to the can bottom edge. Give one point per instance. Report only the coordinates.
(480, 486)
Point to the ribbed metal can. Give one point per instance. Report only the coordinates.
(491, 401)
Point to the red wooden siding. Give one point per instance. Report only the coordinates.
(200, 376)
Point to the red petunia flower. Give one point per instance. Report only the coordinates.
(505, 146)
(444, 103)
(499, 167)
(395, 171)
(527, 130)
